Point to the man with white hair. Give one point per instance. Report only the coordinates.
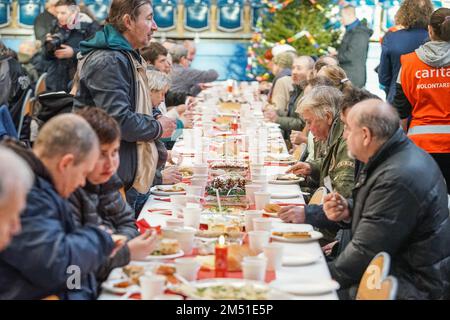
(51, 256)
(398, 205)
(16, 180)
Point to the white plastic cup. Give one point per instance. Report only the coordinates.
(177, 202)
(168, 232)
(175, 223)
(261, 199)
(198, 191)
(185, 237)
(191, 217)
(188, 138)
(254, 268)
(200, 169)
(152, 285)
(258, 240)
(274, 254)
(187, 268)
(262, 224)
(259, 177)
(263, 183)
(250, 190)
(249, 215)
(199, 180)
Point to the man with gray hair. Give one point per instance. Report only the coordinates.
(16, 180)
(320, 110)
(186, 79)
(393, 209)
(51, 256)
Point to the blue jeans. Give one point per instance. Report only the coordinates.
(137, 200)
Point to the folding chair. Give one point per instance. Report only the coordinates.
(375, 283)
(318, 196)
(27, 109)
(165, 12)
(230, 15)
(40, 85)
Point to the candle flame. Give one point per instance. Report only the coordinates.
(221, 240)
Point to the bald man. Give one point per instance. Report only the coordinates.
(399, 206)
(51, 256)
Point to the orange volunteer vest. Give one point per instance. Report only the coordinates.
(428, 90)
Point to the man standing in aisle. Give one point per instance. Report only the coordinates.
(352, 54)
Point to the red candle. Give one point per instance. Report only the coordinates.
(221, 263)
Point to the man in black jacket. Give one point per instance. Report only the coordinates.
(61, 46)
(352, 53)
(393, 209)
(51, 255)
(108, 79)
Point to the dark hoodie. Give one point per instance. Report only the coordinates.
(352, 54)
(50, 251)
(108, 81)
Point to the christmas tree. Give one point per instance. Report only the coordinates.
(310, 26)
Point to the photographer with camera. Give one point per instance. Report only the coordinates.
(62, 45)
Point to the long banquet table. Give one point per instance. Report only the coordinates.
(317, 271)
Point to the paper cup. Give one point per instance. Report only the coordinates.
(200, 169)
(191, 217)
(262, 224)
(177, 202)
(175, 223)
(152, 285)
(261, 199)
(185, 237)
(250, 190)
(258, 240)
(254, 268)
(249, 215)
(263, 183)
(274, 254)
(187, 268)
(198, 191)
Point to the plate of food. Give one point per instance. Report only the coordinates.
(227, 185)
(296, 236)
(285, 195)
(288, 178)
(227, 289)
(122, 280)
(305, 286)
(186, 172)
(166, 249)
(167, 190)
(280, 157)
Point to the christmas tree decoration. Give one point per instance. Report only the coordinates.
(307, 25)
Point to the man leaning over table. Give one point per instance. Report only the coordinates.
(394, 208)
(314, 214)
(51, 256)
(112, 76)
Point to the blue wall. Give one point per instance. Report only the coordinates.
(227, 57)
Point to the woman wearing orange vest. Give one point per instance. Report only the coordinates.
(423, 92)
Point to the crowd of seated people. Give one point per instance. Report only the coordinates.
(61, 199)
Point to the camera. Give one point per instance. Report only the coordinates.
(54, 43)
